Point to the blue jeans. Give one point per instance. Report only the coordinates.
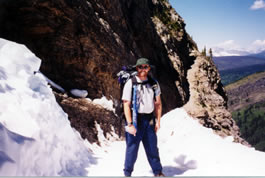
(146, 134)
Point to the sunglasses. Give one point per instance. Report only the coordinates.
(142, 67)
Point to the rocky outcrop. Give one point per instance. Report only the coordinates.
(208, 101)
(83, 45)
(85, 116)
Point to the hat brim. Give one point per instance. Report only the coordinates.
(151, 66)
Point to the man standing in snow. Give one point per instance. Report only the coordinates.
(144, 128)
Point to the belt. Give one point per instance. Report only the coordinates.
(144, 115)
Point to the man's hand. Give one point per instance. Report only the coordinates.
(131, 130)
(158, 112)
(157, 126)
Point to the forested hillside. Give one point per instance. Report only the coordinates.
(251, 121)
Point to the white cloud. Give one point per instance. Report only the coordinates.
(227, 48)
(257, 46)
(228, 44)
(259, 43)
(258, 4)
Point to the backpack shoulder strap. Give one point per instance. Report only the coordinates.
(153, 84)
(134, 81)
(151, 81)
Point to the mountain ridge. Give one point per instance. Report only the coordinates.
(259, 54)
(233, 62)
(232, 75)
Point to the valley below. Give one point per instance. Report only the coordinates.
(246, 102)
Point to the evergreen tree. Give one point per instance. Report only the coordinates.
(204, 51)
(251, 121)
(211, 53)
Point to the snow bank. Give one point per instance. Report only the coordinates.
(104, 102)
(36, 136)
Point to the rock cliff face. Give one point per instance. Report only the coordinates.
(84, 43)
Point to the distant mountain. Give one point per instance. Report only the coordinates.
(233, 68)
(232, 75)
(260, 54)
(233, 62)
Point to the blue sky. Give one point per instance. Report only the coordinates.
(227, 24)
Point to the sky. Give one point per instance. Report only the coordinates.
(227, 24)
(36, 138)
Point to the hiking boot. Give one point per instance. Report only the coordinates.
(160, 175)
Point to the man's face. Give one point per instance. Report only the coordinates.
(143, 70)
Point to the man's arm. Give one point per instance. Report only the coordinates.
(158, 112)
(128, 116)
(127, 111)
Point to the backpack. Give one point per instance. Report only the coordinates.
(126, 73)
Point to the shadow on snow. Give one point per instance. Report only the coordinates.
(181, 166)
